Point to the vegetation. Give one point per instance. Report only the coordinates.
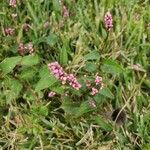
(75, 75)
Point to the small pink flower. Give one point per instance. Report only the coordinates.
(51, 94)
(94, 91)
(13, 15)
(108, 21)
(98, 79)
(30, 48)
(9, 31)
(63, 80)
(12, 3)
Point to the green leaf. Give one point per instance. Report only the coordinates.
(45, 81)
(43, 111)
(93, 55)
(30, 60)
(64, 53)
(39, 111)
(56, 5)
(27, 73)
(146, 147)
(75, 109)
(104, 33)
(103, 124)
(84, 108)
(99, 99)
(90, 67)
(44, 70)
(112, 67)
(69, 107)
(106, 92)
(63, 56)
(8, 64)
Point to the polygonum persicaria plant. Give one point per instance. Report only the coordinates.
(92, 86)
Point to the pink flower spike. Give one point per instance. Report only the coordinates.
(94, 91)
(51, 94)
(108, 21)
(73, 82)
(61, 75)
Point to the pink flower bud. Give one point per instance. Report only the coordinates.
(9, 31)
(94, 91)
(98, 79)
(21, 49)
(51, 94)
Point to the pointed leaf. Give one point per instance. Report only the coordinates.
(8, 64)
(112, 67)
(93, 55)
(106, 92)
(30, 60)
(45, 81)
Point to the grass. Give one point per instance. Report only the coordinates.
(29, 119)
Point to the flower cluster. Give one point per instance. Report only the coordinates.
(94, 87)
(14, 15)
(94, 91)
(25, 27)
(12, 3)
(9, 31)
(51, 94)
(30, 48)
(98, 79)
(108, 21)
(57, 70)
(22, 48)
(60, 74)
